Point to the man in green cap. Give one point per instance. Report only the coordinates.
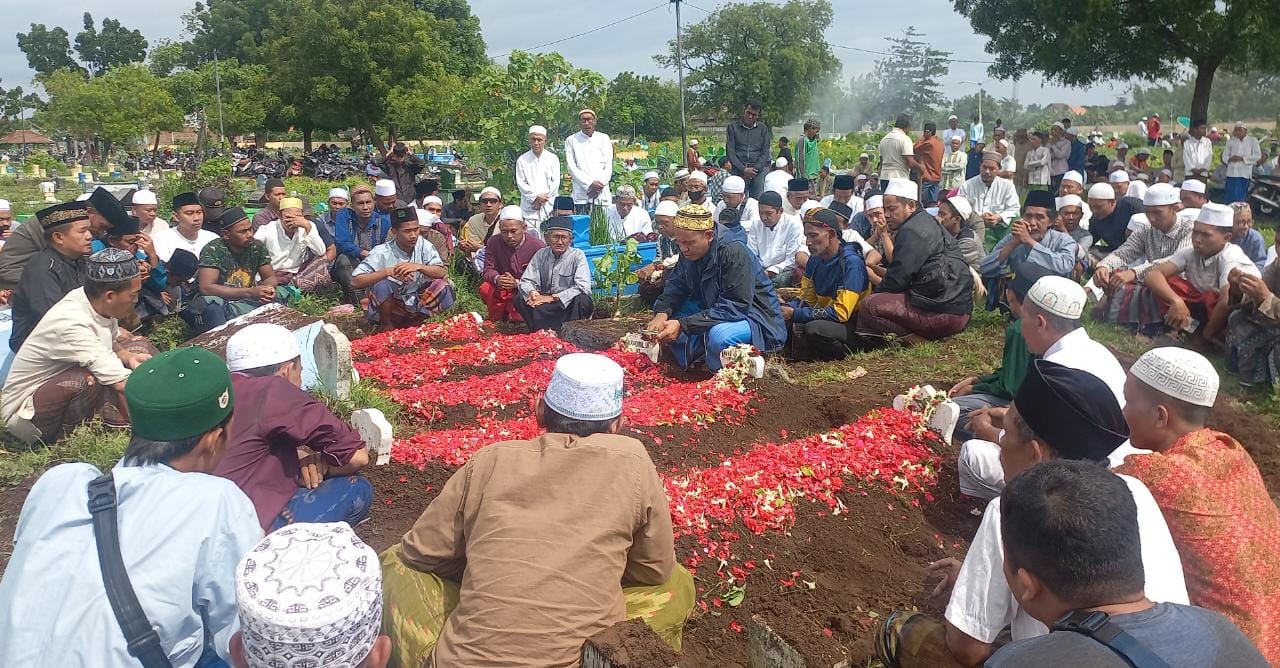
(180, 533)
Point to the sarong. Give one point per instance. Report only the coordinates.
(74, 397)
(1253, 348)
(338, 499)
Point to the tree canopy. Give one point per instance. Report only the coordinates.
(458, 32)
(247, 95)
(775, 53)
(47, 49)
(907, 80)
(641, 106)
(123, 104)
(1144, 39)
(112, 46)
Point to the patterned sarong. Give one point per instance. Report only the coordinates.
(1253, 348)
(74, 396)
(416, 605)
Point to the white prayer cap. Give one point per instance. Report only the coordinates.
(1102, 191)
(863, 155)
(426, 218)
(1137, 189)
(625, 192)
(1193, 186)
(875, 202)
(780, 163)
(955, 138)
(1059, 125)
(1122, 145)
(5, 206)
(1218, 215)
(682, 174)
(904, 188)
(734, 185)
(339, 192)
(1073, 131)
(1166, 172)
(1142, 176)
(261, 344)
(432, 199)
(1240, 124)
(962, 206)
(145, 197)
(1073, 175)
(1059, 296)
(309, 594)
(1144, 118)
(491, 191)
(651, 175)
(667, 208)
(1068, 200)
(1160, 195)
(585, 386)
(698, 176)
(952, 117)
(693, 142)
(384, 187)
(1179, 373)
(510, 212)
(1004, 143)
(83, 196)
(808, 205)
(1120, 176)
(537, 130)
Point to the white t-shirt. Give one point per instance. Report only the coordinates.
(893, 148)
(1210, 274)
(982, 603)
(169, 240)
(777, 181)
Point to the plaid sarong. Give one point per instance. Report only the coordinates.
(74, 397)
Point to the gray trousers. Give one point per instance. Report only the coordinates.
(970, 403)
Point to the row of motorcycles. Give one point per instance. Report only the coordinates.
(325, 162)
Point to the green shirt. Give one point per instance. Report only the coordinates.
(1005, 381)
(236, 270)
(812, 161)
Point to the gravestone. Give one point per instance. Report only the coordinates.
(332, 353)
(375, 431)
(766, 649)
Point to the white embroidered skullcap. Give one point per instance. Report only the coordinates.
(1240, 124)
(1218, 215)
(962, 206)
(537, 130)
(5, 206)
(491, 191)
(625, 192)
(734, 185)
(511, 212)
(808, 205)
(261, 344)
(426, 218)
(1160, 195)
(1137, 189)
(144, 197)
(693, 142)
(681, 174)
(1193, 186)
(650, 175)
(875, 202)
(1120, 176)
(1059, 296)
(1059, 125)
(432, 199)
(1179, 373)
(904, 188)
(1102, 191)
(780, 163)
(667, 208)
(698, 176)
(339, 192)
(384, 187)
(952, 117)
(585, 386)
(1073, 175)
(1073, 131)
(1068, 200)
(309, 595)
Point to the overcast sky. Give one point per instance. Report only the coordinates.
(515, 24)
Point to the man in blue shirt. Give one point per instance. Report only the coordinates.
(1076, 160)
(1031, 240)
(1248, 239)
(835, 279)
(408, 279)
(358, 229)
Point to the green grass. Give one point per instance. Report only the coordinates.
(364, 394)
(93, 442)
(317, 304)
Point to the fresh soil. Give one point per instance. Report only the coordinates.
(630, 644)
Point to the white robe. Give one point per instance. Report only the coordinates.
(537, 176)
(777, 247)
(637, 221)
(1000, 198)
(750, 214)
(589, 159)
(289, 252)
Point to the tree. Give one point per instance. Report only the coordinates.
(907, 78)
(230, 28)
(459, 32)
(644, 106)
(1235, 96)
(1149, 40)
(247, 95)
(431, 105)
(113, 46)
(47, 50)
(775, 53)
(121, 106)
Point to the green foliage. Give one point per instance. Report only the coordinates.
(364, 394)
(759, 50)
(598, 230)
(247, 94)
(460, 30)
(316, 191)
(316, 304)
(442, 113)
(44, 160)
(230, 28)
(168, 332)
(120, 106)
(1254, 95)
(93, 443)
(641, 106)
(47, 50)
(615, 270)
(110, 47)
(907, 80)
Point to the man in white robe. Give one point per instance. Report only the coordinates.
(993, 197)
(589, 156)
(538, 178)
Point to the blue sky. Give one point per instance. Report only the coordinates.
(519, 24)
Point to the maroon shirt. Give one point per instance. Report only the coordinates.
(273, 419)
(499, 258)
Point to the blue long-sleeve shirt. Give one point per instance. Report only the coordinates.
(831, 289)
(1076, 159)
(345, 236)
(1253, 245)
(1055, 252)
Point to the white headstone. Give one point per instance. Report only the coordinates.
(332, 352)
(374, 429)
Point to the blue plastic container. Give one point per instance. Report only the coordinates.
(648, 250)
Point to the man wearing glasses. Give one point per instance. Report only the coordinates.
(476, 232)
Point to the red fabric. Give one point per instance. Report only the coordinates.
(1192, 297)
(1153, 129)
(1226, 527)
(500, 258)
(501, 302)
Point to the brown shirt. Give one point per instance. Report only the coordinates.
(929, 155)
(542, 534)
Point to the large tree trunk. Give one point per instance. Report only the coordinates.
(306, 139)
(1204, 83)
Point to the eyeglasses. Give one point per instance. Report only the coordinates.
(489, 201)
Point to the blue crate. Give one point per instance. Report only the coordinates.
(648, 251)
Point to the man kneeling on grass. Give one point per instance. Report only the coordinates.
(409, 281)
(552, 540)
(295, 459)
(556, 286)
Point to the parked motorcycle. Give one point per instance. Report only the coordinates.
(1264, 194)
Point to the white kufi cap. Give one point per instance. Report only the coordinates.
(699, 176)
(808, 205)
(875, 202)
(261, 344)
(384, 187)
(511, 212)
(734, 185)
(5, 206)
(962, 206)
(309, 594)
(1059, 296)
(1102, 191)
(904, 188)
(1193, 186)
(1068, 200)
(1073, 175)
(1120, 176)
(667, 208)
(491, 191)
(1137, 189)
(1179, 373)
(426, 218)
(144, 197)
(780, 163)
(651, 175)
(537, 130)
(1218, 215)
(585, 386)
(339, 192)
(432, 199)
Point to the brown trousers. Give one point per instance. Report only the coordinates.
(74, 397)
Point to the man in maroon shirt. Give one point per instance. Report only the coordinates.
(288, 453)
(506, 254)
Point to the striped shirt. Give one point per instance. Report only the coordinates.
(1147, 245)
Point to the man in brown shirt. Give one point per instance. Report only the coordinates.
(929, 154)
(553, 540)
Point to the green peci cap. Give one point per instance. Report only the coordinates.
(179, 394)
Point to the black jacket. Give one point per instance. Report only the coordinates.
(46, 279)
(928, 266)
